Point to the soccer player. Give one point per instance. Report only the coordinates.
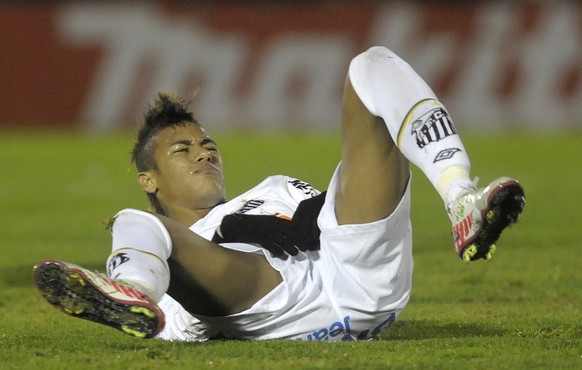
(283, 260)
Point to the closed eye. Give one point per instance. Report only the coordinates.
(183, 146)
(209, 144)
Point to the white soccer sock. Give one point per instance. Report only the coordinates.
(141, 247)
(418, 123)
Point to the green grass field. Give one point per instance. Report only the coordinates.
(522, 310)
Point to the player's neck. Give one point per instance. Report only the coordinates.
(188, 215)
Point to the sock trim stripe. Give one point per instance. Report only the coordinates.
(140, 251)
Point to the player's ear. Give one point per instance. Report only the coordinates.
(147, 182)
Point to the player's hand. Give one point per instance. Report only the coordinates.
(305, 222)
(279, 236)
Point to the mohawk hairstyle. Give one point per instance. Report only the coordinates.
(167, 110)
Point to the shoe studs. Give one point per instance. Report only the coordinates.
(472, 250)
(490, 216)
(469, 253)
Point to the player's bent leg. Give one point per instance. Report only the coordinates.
(92, 296)
(419, 124)
(210, 280)
(205, 278)
(479, 216)
(423, 131)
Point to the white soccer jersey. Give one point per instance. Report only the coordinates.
(351, 289)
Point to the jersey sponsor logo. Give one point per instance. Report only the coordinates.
(305, 187)
(342, 330)
(432, 126)
(445, 154)
(115, 261)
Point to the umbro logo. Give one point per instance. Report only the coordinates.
(446, 154)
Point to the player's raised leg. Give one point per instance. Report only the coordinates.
(374, 173)
(420, 128)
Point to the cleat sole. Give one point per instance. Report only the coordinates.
(144, 311)
(493, 249)
(126, 329)
(469, 253)
(505, 207)
(74, 294)
(490, 216)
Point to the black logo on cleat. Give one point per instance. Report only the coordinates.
(446, 154)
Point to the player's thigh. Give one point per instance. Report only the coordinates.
(211, 280)
(374, 172)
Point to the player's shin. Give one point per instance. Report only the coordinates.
(140, 249)
(143, 271)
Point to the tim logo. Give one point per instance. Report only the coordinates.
(432, 126)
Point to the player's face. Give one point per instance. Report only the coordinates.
(190, 172)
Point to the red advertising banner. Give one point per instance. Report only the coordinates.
(495, 65)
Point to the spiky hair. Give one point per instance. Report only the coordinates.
(167, 110)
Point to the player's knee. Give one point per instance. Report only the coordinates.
(386, 84)
(141, 230)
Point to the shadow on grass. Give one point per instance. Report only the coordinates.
(432, 329)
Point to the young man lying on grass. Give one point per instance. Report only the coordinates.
(283, 260)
